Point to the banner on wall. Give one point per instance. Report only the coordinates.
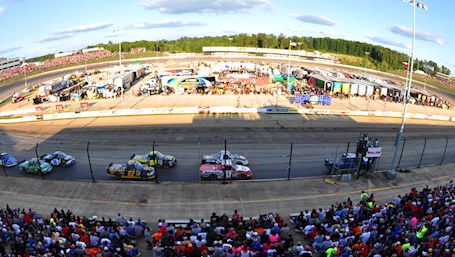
(313, 99)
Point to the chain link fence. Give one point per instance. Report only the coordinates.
(271, 160)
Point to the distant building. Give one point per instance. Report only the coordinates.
(58, 55)
(6, 64)
(93, 49)
(138, 50)
(269, 52)
(442, 76)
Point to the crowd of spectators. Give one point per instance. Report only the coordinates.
(54, 62)
(419, 223)
(267, 235)
(27, 233)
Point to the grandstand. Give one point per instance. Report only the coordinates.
(9, 63)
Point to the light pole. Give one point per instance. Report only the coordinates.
(407, 76)
(25, 72)
(230, 45)
(391, 174)
(366, 56)
(291, 44)
(119, 31)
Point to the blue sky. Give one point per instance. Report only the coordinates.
(32, 28)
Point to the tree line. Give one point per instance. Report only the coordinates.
(383, 58)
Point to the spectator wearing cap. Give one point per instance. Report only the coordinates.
(306, 252)
(179, 247)
(255, 245)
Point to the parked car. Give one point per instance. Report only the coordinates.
(131, 170)
(162, 160)
(59, 158)
(17, 97)
(7, 160)
(35, 166)
(219, 156)
(226, 169)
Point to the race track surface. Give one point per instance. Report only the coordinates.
(264, 139)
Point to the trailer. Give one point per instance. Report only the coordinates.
(123, 81)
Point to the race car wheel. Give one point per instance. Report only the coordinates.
(166, 165)
(118, 176)
(144, 177)
(63, 164)
(212, 177)
(242, 176)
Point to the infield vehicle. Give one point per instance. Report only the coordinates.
(342, 161)
(35, 166)
(59, 158)
(225, 170)
(131, 170)
(7, 160)
(218, 157)
(162, 160)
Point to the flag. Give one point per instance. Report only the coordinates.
(422, 5)
(405, 64)
(293, 43)
(409, 1)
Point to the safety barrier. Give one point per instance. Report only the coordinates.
(208, 110)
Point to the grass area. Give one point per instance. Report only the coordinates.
(354, 61)
(428, 80)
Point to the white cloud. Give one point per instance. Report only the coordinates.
(4, 51)
(425, 36)
(69, 32)
(54, 37)
(322, 33)
(165, 24)
(388, 41)
(204, 6)
(2, 9)
(330, 34)
(314, 18)
(85, 28)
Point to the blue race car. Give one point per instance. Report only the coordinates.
(59, 158)
(7, 160)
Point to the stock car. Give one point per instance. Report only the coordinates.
(59, 158)
(162, 160)
(131, 170)
(35, 166)
(217, 158)
(7, 160)
(219, 171)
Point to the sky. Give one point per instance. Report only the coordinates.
(31, 28)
